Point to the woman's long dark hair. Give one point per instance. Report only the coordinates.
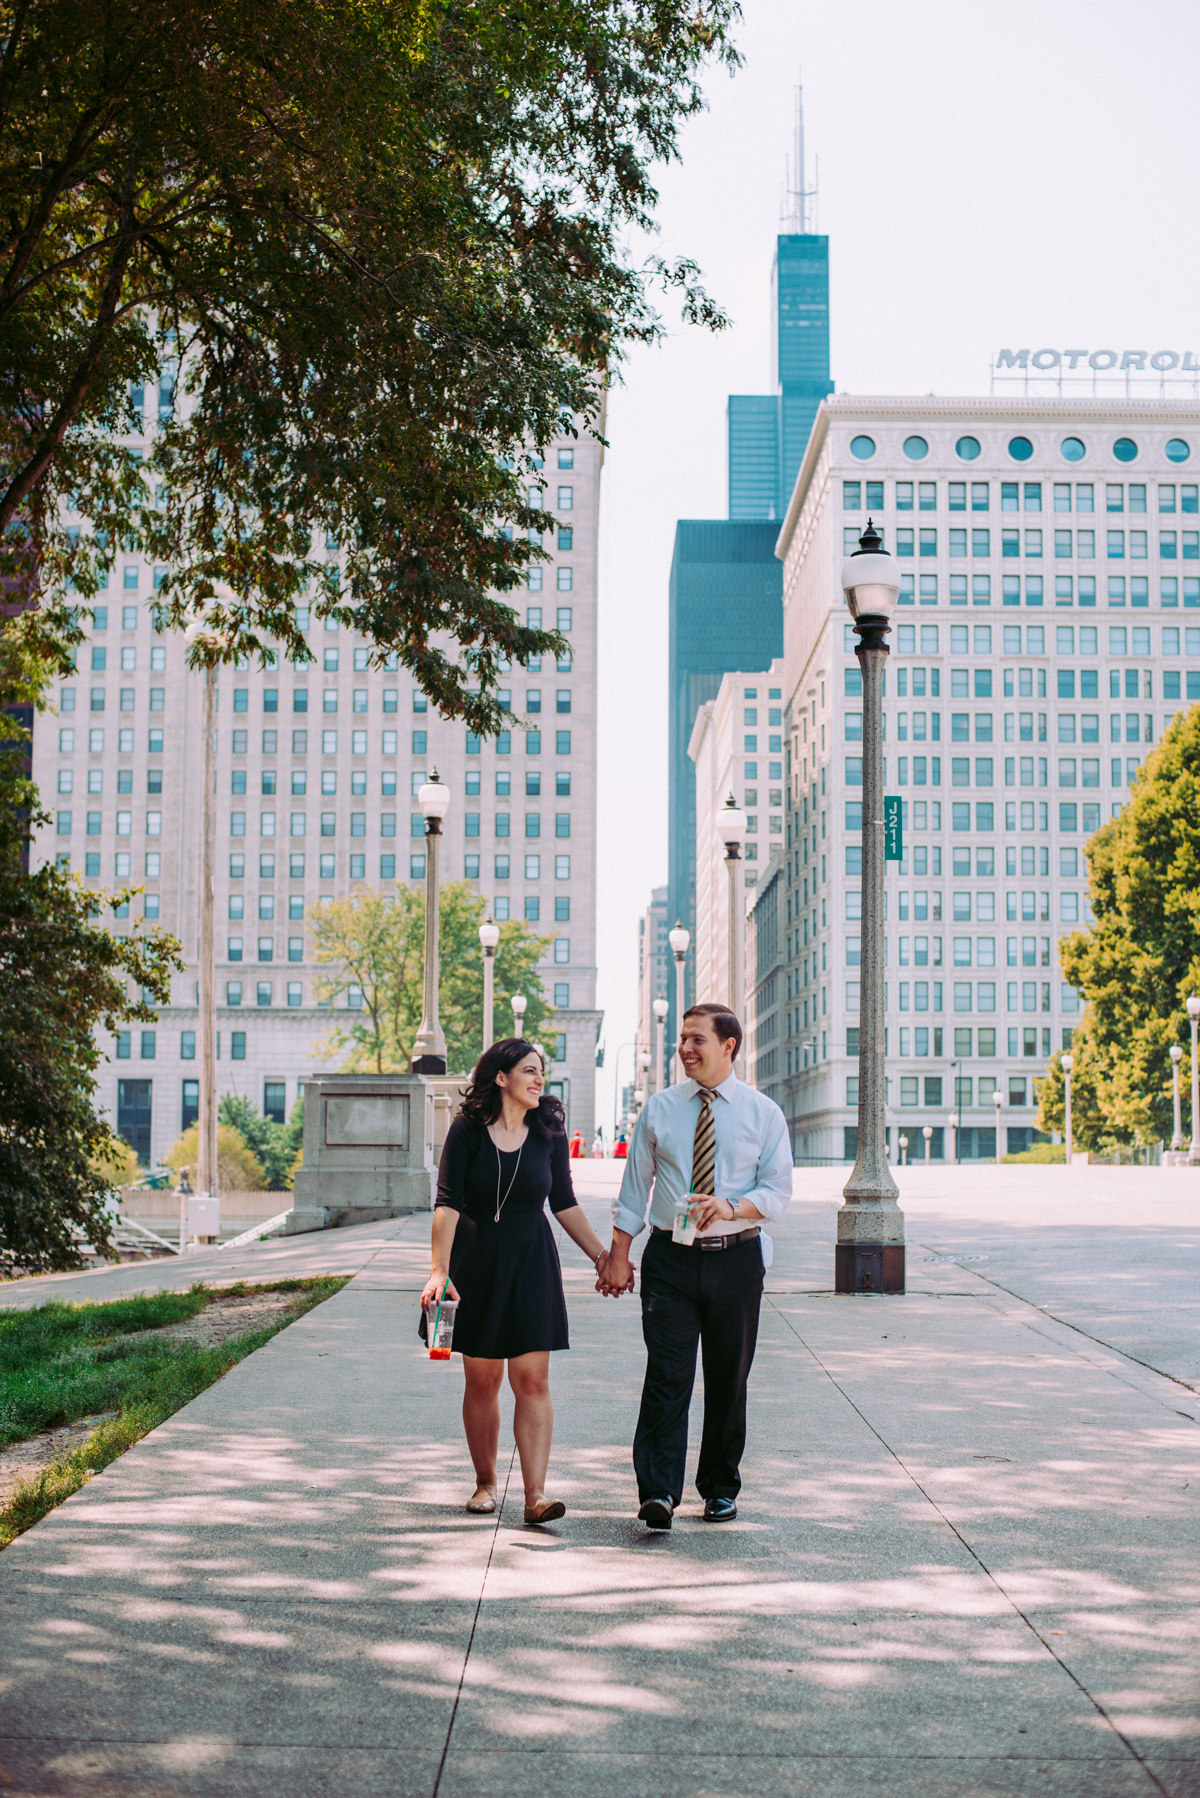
(483, 1098)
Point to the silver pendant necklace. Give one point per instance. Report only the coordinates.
(502, 1202)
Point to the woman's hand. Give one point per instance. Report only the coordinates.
(437, 1288)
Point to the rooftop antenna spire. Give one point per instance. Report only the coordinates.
(796, 210)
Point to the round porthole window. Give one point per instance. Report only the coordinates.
(1178, 450)
(1071, 449)
(1125, 449)
(863, 448)
(967, 448)
(1020, 449)
(916, 449)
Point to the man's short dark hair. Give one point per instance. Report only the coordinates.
(724, 1023)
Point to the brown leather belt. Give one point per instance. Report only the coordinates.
(729, 1240)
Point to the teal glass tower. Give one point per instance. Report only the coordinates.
(726, 596)
(768, 433)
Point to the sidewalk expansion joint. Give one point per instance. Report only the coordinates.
(987, 1572)
(1111, 1348)
(474, 1626)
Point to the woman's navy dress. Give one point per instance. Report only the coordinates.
(507, 1274)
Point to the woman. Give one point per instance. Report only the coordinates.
(505, 1153)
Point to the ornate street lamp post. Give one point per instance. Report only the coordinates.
(429, 1046)
(679, 938)
(870, 1228)
(207, 643)
(904, 1151)
(518, 1003)
(731, 830)
(1177, 1133)
(489, 936)
(927, 1133)
(1068, 1062)
(1193, 1011)
(952, 1126)
(660, 1009)
(998, 1102)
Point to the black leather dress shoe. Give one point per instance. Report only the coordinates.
(719, 1510)
(657, 1513)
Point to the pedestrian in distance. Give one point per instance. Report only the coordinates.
(598, 1146)
(577, 1146)
(620, 1147)
(712, 1161)
(493, 1251)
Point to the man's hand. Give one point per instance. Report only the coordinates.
(709, 1210)
(614, 1274)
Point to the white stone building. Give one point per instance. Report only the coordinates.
(736, 746)
(317, 772)
(1050, 557)
(656, 974)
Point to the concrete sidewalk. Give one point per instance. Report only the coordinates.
(967, 1564)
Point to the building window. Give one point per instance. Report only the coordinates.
(562, 995)
(237, 1045)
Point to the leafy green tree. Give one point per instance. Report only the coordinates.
(276, 1147)
(62, 979)
(360, 259)
(375, 940)
(1139, 960)
(238, 1167)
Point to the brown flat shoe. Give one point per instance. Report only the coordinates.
(547, 1511)
(481, 1507)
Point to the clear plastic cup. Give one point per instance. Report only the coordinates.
(441, 1329)
(683, 1225)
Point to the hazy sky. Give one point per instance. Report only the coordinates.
(992, 175)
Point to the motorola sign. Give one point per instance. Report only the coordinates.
(1100, 361)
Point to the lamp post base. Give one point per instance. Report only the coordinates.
(429, 1064)
(868, 1267)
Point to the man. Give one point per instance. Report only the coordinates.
(724, 1148)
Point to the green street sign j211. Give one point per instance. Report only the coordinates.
(893, 831)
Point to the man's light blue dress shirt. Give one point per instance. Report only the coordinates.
(754, 1155)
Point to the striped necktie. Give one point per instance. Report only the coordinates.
(704, 1149)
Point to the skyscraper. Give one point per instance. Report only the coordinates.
(726, 593)
(1043, 549)
(317, 768)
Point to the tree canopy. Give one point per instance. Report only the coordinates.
(238, 1167)
(276, 1147)
(1138, 962)
(62, 978)
(360, 260)
(375, 940)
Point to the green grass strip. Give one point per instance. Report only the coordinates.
(154, 1385)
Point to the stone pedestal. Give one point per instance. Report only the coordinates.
(869, 1255)
(371, 1147)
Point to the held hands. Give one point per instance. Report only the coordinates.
(614, 1275)
(709, 1210)
(435, 1289)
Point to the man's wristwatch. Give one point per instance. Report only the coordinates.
(733, 1207)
